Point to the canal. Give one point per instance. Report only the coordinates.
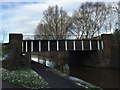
(102, 77)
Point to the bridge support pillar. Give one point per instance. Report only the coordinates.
(15, 58)
(15, 50)
(107, 43)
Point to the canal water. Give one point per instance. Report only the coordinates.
(102, 77)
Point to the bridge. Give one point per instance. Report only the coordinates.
(93, 50)
(61, 45)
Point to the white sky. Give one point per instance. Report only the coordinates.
(19, 17)
(57, 0)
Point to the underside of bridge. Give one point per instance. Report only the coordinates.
(81, 58)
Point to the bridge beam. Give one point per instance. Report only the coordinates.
(61, 45)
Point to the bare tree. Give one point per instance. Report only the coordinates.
(3, 35)
(113, 18)
(117, 11)
(55, 23)
(89, 19)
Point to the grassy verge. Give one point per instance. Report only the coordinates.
(24, 77)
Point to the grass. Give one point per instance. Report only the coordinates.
(24, 77)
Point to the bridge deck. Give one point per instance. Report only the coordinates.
(61, 45)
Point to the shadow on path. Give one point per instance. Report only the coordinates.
(54, 80)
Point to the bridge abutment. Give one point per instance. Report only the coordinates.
(106, 58)
(26, 59)
(15, 55)
(15, 50)
(107, 39)
(110, 51)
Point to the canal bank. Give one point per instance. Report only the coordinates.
(101, 77)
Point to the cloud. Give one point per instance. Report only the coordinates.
(58, 0)
(25, 17)
(22, 16)
(21, 19)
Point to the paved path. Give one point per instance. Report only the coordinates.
(6, 84)
(54, 80)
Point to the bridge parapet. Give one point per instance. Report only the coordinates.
(61, 45)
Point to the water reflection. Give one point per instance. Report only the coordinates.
(105, 78)
(52, 64)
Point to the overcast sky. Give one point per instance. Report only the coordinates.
(22, 16)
